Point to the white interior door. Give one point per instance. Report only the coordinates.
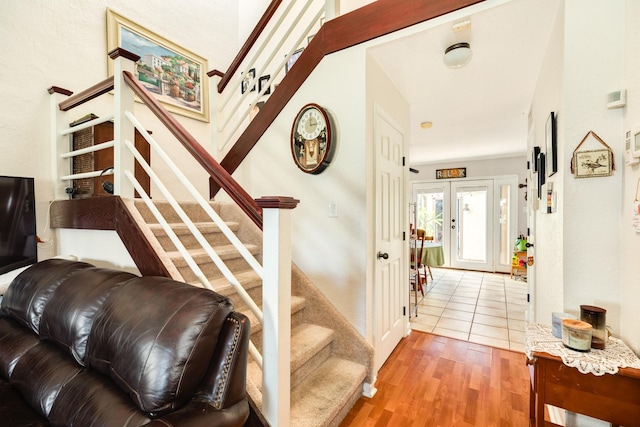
(390, 291)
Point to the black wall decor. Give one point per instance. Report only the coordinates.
(541, 173)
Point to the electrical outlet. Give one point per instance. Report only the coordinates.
(333, 209)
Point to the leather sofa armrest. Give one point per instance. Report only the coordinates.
(225, 382)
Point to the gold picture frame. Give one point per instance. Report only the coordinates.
(175, 75)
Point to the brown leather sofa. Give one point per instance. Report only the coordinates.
(88, 346)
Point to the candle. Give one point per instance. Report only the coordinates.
(576, 334)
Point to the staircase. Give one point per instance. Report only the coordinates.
(328, 357)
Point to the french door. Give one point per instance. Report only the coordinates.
(474, 220)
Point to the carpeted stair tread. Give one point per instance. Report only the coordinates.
(249, 279)
(192, 209)
(316, 402)
(297, 304)
(306, 341)
(225, 252)
(182, 229)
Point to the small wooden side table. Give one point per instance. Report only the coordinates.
(610, 397)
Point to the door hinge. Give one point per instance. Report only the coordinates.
(404, 310)
(403, 160)
(528, 298)
(404, 237)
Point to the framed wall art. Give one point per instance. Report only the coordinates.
(172, 73)
(592, 163)
(551, 137)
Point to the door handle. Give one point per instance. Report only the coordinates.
(529, 245)
(383, 255)
(453, 227)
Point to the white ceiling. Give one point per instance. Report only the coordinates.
(479, 110)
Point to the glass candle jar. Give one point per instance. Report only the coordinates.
(576, 334)
(556, 322)
(597, 318)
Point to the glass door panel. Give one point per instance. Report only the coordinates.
(471, 226)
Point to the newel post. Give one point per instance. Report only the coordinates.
(123, 129)
(59, 143)
(276, 308)
(214, 98)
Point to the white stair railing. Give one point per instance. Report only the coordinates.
(289, 31)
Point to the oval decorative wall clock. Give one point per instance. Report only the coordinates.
(312, 139)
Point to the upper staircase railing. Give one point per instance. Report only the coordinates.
(374, 20)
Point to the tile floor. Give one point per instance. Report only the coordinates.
(485, 308)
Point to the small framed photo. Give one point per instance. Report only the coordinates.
(246, 80)
(551, 137)
(534, 159)
(592, 163)
(293, 58)
(264, 82)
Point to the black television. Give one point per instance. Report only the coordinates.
(18, 240)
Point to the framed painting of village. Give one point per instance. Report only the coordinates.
(173, 74)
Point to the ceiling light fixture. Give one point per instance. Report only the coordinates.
(457, 55)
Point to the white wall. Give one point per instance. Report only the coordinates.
(549, 240)
(102, 248)
(593, 67)
(630, 240)
(64, 43)
(329, 250)
(577, 248)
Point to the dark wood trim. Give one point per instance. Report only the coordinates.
(206, 160)
(253, 37)
(277, 202)
(367, 23)
(120, 52)
(57, 89)
(88, 94)
(109, 213)
(215, 73)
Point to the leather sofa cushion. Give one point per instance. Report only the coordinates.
(41, 373)
(69, 314)
(15, 341)
(155, 338)
(89, 400)
(29, 292)
(15, 411)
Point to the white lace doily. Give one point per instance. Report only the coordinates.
(616, 354)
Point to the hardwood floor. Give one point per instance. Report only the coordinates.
(436, 381)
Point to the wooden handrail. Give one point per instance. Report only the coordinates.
(88, 94)
(206, 160)
(367, 23)
(244, 51)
